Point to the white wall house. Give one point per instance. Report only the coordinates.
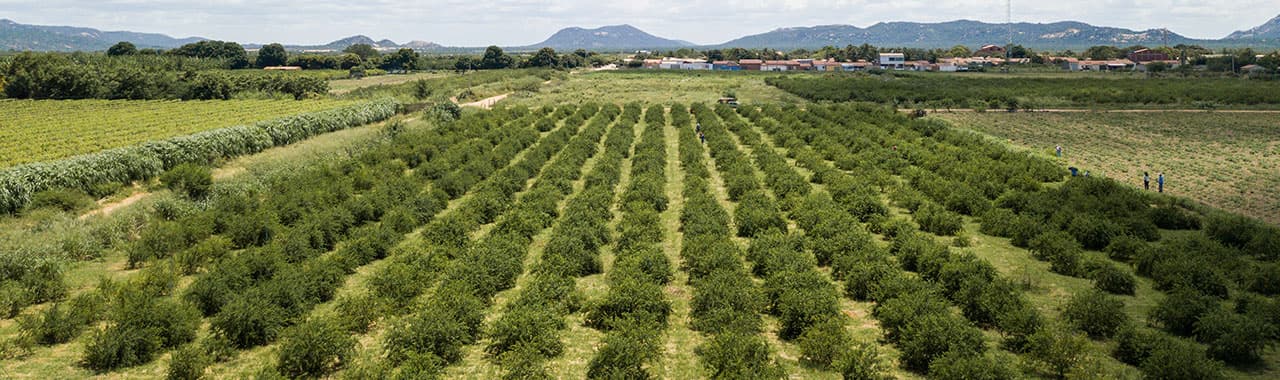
(892, 61)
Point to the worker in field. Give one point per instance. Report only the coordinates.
(1058, 150)
(1160, 182)
(698, 127)
(1146, 181)
(702, 136)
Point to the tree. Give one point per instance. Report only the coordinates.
(545, 57)
(122, 48)
(495, 58)
(959, 51)
(272, 55)
(234, 53)
(403, 59)
(1102, 53)
(365, 51)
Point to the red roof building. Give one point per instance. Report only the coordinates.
(1147, 55)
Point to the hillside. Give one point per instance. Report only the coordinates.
(1067, 34)
(614, 37)
(1269, 30)
(15, 36)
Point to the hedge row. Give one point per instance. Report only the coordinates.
(143, 161)
(453, 315)
(726, 302)
(635, 310)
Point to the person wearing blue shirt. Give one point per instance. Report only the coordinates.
(1160, 182)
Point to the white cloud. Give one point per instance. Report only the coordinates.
(518, 22)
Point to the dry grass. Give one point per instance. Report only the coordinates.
(1227, 160)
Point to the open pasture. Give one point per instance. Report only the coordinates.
(1227, 160)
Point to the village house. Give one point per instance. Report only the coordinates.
(1147, 55)
(895, 61)
(780, 66)
(989, 50)
(860, 65)
(751, 64)
(726, 66)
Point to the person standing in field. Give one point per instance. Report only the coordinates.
(1160, 182)
(1146, 181)
(1058, 150)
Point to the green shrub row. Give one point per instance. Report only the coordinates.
(726, 302)
(454, 313)
(634, 311)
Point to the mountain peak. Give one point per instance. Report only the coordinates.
(609, 37)
(1268, 30)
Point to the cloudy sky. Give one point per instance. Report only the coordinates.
(522, 22)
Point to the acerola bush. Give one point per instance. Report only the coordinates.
(1096, 313)
(313, 348)
(193, 181)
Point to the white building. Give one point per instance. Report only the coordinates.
(892, 61)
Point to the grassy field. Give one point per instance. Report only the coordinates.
(656, 87)
(1228, 160)
(42, 130)
(342, 86)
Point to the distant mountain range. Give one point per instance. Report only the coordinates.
(1058, 35)
(15, 36)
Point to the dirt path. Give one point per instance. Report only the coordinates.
(108, 208)
(486, 103)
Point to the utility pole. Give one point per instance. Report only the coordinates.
(1008, 47)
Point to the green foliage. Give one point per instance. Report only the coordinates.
(141, 327)
(271, 55)
(188, 363)
(862, 362)
(1111, 278)
(1180, 360)
(937, 220)
(824, 343)
(624, 354)
(68, 200)
(739, 356)
(1181, 309)
(1096, 313)
(1234, 338)
(1060, 350)
(1060, 250)
(965, 365)
(313, 349)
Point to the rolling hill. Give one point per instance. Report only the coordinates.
(613, 37)
(1268, 31)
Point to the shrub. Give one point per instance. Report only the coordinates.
(191, 260)
(1096, 313)
(1135, 344)
(625, 352)
(1112, 279)
(425, 366)
(61, 199)
(1060, 250)
(757, 214)
(142, 327)
(250, 320)
(930, 335)
(522, 364)
(1180, 360)
(1174, 218)
(188, 363)
(1234, 338)
(1125, 248)
(1181, 309)
(739, 356)
(823, 343)
(1058, 349)
(191, 180)
(357, 313)
(966, 365)
(937, 220)
(119, 347)
(863, 362)
(158, 240)
(313, 349)
(531, 328)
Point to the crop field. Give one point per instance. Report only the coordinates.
(43, 130)
(611, 225)
(1227, 160)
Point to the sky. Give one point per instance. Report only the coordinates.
(525, 22)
